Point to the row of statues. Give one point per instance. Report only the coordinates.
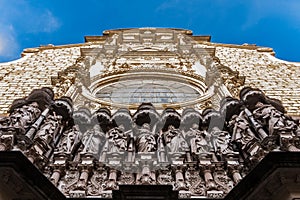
(69, 145)
(146, 131)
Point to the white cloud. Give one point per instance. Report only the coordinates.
(286, 10)
(40, 21)
(22, 17)
(52, 22)
(8, 44)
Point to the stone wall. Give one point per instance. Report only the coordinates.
(34, 70)
(277, 78)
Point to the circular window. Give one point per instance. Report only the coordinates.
(163, 88)
(153, 90)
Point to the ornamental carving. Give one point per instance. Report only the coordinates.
(97, 182)
(201, 154)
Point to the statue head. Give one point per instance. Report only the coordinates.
(146, 126)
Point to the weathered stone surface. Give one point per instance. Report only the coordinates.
(89, 145)
(206, 153)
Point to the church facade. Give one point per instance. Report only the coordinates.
(149, 113)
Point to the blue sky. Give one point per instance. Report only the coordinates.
(31, 23)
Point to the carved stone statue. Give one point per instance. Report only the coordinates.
(174, 140)
(21, 118)
(77, 139)
(200, 143)
(49, 129)
(273, 120)
(181, 39)
(93, 139)
(242, 134)
(116, 139)
(145, 141)
(220, 140)
(69, 139)
(114, 39)
(192, 132)
(25, 111)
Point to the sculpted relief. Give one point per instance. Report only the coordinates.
(89, 154)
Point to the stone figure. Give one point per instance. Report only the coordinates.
(93, 139)
(200, 143)
(116, 139)
(70, 138)
(114, 39)
(25, 111)
(220, 140)
(21, 118)
(273, 120)
(174, 140)
(242, 134)
(49, 129)
(145, 141)
(192, 132)
(181, 39)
